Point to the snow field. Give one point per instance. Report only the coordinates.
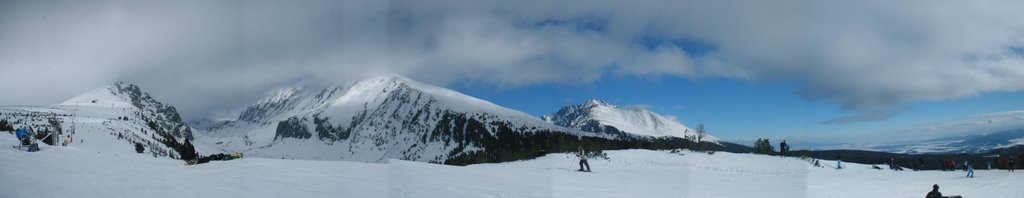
(100, 168)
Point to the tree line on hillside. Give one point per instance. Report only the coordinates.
(763, 146)
(998, 158)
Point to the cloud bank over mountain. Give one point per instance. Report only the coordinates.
(868, 57)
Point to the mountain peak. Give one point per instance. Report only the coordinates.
(599, 116)
(385, 79)
(126, 89)
(121, 83)
(118, 93)
(595, 103)
(281, 94)
(162, 119)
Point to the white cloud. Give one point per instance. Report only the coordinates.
(665, 59)
(869, 57)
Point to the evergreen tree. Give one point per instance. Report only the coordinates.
(692, 138)
(700, 137)
(6, 126)
(763, 146)
(139, 148)
(188, 152)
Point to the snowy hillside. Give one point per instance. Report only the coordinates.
(373, 120)
(599, 116)
(119, 114)
(81, 171)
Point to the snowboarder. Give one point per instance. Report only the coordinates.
(970, 169)
(583, 160)
(990, 164)
(935, 192)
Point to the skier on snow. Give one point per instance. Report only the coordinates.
(583, 160)
(970, 169)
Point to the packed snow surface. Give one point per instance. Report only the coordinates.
(97, 170)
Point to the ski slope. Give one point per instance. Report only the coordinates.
(93, 171)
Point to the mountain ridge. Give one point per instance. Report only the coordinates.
(117, 113)
(603, 117)
(393, 117)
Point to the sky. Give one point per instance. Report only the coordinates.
(800, 69)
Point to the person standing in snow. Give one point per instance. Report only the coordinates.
(935, 192)
(583, 160)
(1010, 164)
(970, 169)
(784, 148)
(839, 161)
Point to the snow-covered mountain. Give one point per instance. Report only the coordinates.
(380, 118)
(373, 120)
(602, 117)
(112, 117)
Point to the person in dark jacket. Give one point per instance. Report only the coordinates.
(935, 192)
(839, 161)
(784, 148)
